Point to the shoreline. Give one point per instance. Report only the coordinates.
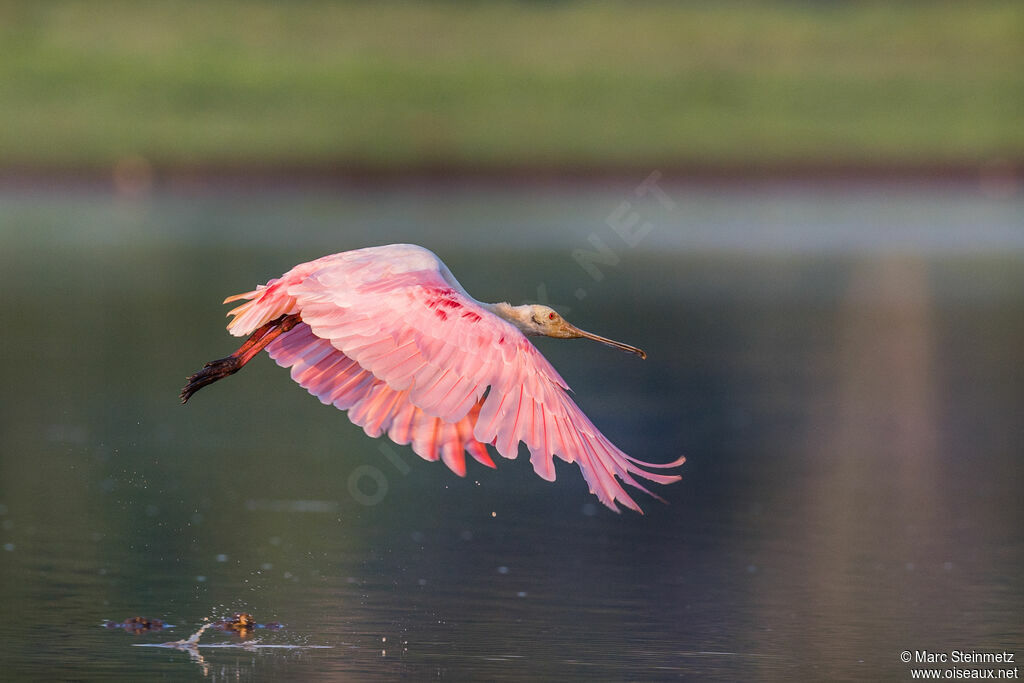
(135, 175)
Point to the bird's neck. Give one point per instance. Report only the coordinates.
(520, 316)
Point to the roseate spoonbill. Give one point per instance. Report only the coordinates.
(389, 335)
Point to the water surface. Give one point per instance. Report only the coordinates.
(843, 371)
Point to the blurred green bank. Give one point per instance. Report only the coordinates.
(496, 84)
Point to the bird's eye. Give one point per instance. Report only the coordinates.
(552, 315)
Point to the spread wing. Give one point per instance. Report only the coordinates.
(390, 336)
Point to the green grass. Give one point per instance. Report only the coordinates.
(555, 83)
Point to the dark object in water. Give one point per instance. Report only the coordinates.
(243, 624)
(138, 624)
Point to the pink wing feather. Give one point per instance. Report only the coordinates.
(390, 336)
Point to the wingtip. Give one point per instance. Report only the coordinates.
(658, 465)
(239, 297)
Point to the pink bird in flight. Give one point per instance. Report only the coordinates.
(389, 335)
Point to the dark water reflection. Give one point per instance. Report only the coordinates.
(851, 418)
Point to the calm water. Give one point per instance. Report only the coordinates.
(844, 371)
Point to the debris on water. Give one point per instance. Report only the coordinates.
(137, 625)
(243, 624)
(239, 621)
(191, 644)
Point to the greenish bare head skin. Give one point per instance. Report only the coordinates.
(543, 321)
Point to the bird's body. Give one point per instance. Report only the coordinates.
(389, 335)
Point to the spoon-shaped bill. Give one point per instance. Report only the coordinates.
(604, 340)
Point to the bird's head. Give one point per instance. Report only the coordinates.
(545, 321)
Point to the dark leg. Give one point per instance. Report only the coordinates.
(221, 368)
